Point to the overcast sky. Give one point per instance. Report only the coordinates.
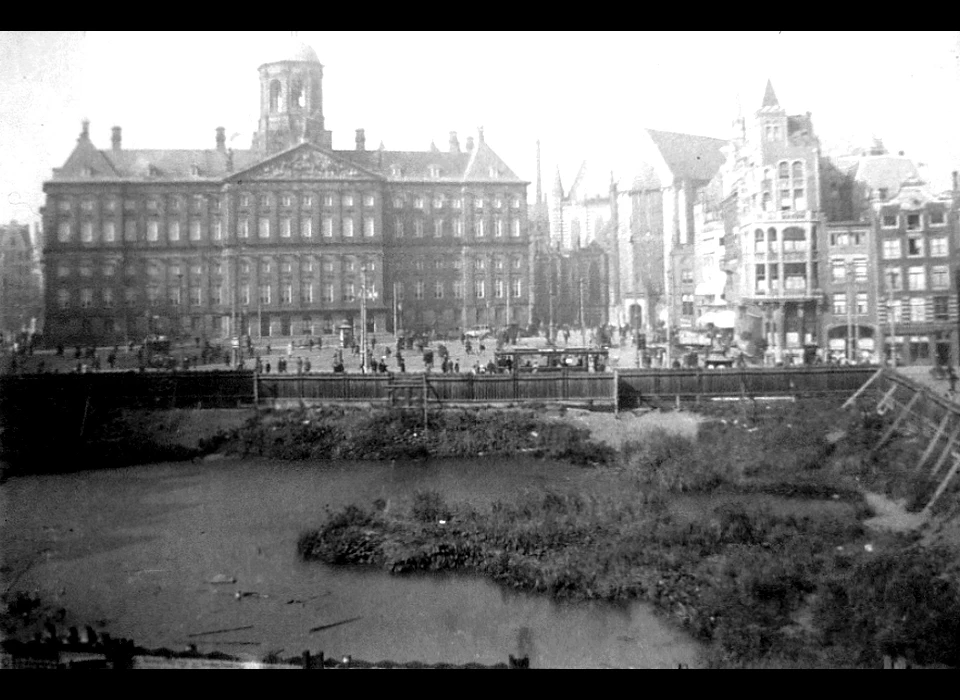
(584, 95)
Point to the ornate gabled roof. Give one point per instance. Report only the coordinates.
(689, 157)
(292, 49)
(305, 161)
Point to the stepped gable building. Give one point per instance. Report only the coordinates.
(285, 238)
(773, 166)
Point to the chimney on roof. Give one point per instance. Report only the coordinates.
(454, 143)
(115, 138)
(480, 134)
(85, 129)
(221, 139)
(361, 140)
(901, 153)
(469, 144)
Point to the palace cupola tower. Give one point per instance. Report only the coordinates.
(291, 99)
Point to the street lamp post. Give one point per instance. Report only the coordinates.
(363, 315)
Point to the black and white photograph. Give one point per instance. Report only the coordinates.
(479, 349)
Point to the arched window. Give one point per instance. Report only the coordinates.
(275, 96)
(297, 96)
(797, 170)
(784, 171)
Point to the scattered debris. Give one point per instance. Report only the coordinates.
(222, 578)
(229, 629)
(249, 594)
(334, 624)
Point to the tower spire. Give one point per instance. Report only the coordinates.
(539, 188)
(769, 96)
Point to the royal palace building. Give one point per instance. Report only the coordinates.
(288, 238)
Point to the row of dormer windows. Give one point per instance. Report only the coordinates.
(479, 263)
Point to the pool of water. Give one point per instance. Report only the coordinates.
(136, 549)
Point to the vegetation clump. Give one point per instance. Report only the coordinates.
(321, 433)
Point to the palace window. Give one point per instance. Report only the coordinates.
(307, 200)
(153, 230)
(839, 304)
(173, 231)
(63, 298)
(245, 295)
(457, 289)
(918, 309)
(438, 202)
(306, 227)
(107, 293)
(418, 203)
(861, 307)
(438, 289)
(243, 227)
(87, 205)
(326, 226)
(498, 228)
(515, 228)
(306, 292)
(457, 203)
(63, 270)
(328, 200)
(286, 200)
(86, 232)
(369, 229)
(196, 296)
(216, 229)
(938, 247)
(939, 277)
(348, 200)
(398, 202)
(286, 294)
(328, 292)
(458, 228)
(264, 293)
(418, 229)
(479, 289)
(216, 296)
(109, 231)
(437, 227)
(418, 289)
(515, 286)
(686, 305)
(941, 308)
(286, 227)
(913, 222)
(914, 247)
(481, 228)
(398, 227)
(194, 229)
(63, 231)
(892, 249)
(263, 227)
(917, 279)
(348, 228)
(368, 200)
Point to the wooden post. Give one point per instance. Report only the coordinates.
(904, 414)
(306, 659)
(852, 399)
(943, 484)
(424, 403)
(884, 404)
(616, 392)
(946, 450)
(936, 438)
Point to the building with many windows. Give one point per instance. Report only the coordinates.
(286, 238)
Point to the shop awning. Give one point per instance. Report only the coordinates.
(723, 318)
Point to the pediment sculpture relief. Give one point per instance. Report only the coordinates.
(307, 163)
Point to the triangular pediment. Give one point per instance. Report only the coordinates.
(305, 162)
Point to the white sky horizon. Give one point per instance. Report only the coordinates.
(585, 96)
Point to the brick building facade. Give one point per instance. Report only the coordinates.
(285, 238)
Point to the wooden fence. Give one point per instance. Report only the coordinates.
(226, 389)
(915, 408)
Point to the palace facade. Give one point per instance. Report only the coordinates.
(287, 238)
